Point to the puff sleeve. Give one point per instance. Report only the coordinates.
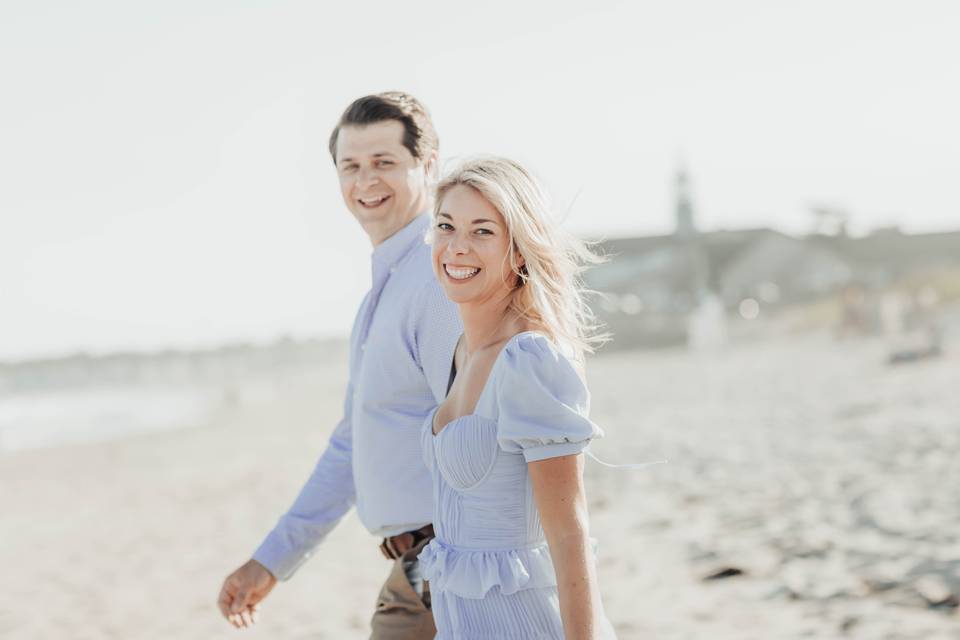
(542, 402)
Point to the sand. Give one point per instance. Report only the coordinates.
(823, 481)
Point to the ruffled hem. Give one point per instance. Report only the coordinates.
(473, 573)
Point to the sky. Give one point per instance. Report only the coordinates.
(164, 179)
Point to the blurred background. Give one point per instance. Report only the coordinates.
(774, 184)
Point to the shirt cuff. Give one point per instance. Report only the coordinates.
(278, 558)
(554, 450)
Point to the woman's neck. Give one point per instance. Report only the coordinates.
(486, 323)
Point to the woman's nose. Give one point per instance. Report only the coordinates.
(458, 245)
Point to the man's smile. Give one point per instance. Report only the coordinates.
(373, 202)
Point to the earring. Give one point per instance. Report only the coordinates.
(522, 275)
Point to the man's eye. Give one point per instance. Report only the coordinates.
(348, 168)
(386, 163)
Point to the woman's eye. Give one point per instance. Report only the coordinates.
(484, 232)
(385, 163)
(443, 226)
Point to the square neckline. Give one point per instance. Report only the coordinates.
(483, 391)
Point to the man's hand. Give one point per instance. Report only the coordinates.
(242, 592)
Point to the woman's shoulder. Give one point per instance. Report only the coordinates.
(542, 401)
(533, 351)
(531, 360)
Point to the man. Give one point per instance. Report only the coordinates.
(401, 348)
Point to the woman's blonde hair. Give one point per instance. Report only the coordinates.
(549, 293)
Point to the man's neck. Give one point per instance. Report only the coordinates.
(381, 232)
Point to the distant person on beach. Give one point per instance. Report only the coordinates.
(385, 150)
(512, 557)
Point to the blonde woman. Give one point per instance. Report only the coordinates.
(512, 556)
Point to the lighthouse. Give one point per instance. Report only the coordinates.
(683, 211)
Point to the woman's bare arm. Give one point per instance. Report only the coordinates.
(561, 499)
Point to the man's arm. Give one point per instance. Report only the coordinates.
(323, 501)
(325, 498)
(435, 329)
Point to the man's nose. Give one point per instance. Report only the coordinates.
(366, 177)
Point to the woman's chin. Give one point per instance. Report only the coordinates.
(458, 296)
(463, 292)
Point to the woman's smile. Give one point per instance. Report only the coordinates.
(459, 273)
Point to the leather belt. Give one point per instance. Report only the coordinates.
(395, 546)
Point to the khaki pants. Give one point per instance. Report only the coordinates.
(401, 614)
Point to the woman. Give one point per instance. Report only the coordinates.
(512, 557)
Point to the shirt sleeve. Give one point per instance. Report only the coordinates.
(325, 498)
(434, 332)
(543, 403)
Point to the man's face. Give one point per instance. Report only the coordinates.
(383, 185)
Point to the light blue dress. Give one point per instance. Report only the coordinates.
(490, 572)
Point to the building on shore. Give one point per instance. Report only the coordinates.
(652, 288)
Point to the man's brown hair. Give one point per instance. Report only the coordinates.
(419, 136)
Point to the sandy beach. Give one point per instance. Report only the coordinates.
(819, 480)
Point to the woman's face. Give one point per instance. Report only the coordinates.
(471, 248)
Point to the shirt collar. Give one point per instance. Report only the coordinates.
(392, 250)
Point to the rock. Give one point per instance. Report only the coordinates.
(781, 592)
(723, 572)
(848, 623)
(879, 585)
(885, 575)
(816, 579)
(935, 590)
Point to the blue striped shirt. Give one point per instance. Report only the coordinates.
(401, 349)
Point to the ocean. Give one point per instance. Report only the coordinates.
(48, 418)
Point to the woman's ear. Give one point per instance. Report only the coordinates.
(522, 272)
(521, 269)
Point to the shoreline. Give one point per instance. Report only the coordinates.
(804, 465)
